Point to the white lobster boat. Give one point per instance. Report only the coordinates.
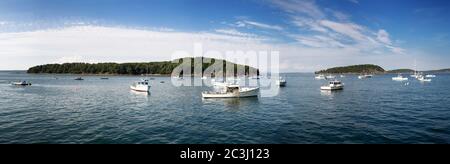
(320, 77)
(400, 78)
(333, 85)
(141, 86)
(232, 91)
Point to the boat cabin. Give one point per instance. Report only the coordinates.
(232, 89)
(335, 83)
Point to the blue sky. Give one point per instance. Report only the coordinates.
(310, 34)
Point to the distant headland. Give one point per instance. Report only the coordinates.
(371, 69)
(149, 68)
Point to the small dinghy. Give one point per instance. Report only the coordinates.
(22, 83)
(79, 78)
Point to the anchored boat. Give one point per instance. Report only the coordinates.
(232, 91)
(400, 78)
(281, 82)
(365, 76)
(333, 85)
(22, 83)
(141, 86)
(320, 77)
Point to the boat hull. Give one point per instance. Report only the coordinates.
(140, 88)
(399, 79)
(281, 83)
(241, 94)
(329, 88)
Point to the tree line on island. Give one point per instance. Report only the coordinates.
(154, 68)
(372, 69)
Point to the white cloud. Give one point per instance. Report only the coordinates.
(310, 24)
(112, 44)
(383, 36)
(306, 7)
(348, 29)
(234, 32)
(246, 23)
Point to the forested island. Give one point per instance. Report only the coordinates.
(355, 69)
(372, 69)
(153, 68)
(401, 71)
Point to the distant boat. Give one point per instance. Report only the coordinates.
(333, 85)
(330, 77)
(281, 82)
(141, 86)
(423, 79)
(430, 76)
(204, 78)
(162, 82)
(342, 76)
(79, 78)
(22, 83)
(400, 78)
(232, 91)
(365, 76)
(320, 77)
(104, 78)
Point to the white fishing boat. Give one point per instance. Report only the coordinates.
(400, 78)
(430, 76)
(141, 86)
(320, 77)
(232, 91)
(333, 85)
(22, 83)
(365, 76)
(330, 77)
(423, 79)
(281, 82)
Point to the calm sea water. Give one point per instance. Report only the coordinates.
(376, 110)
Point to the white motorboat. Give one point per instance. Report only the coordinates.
(342, 76)
(320, 77)
(430, 76)
(232, 91)
(365, 76)
(204, 78)
(141, 86)
(400, 78)
(281, 82)
(423, 79)
(333, 85)
(330, 77)
(22, 83)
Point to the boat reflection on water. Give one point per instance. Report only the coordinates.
(231, 103)
(330, 93)
(140, 93)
